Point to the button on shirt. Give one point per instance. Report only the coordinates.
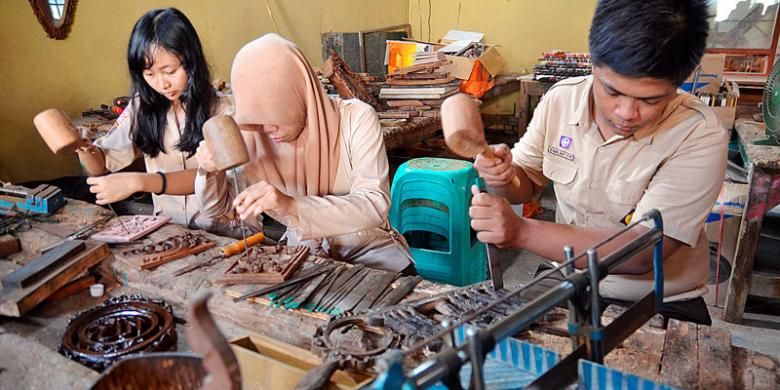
(676, 166)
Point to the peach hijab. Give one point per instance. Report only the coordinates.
(273, 84)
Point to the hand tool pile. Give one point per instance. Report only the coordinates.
(334, 288)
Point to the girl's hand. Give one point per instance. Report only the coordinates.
(86, 146)
(205, 158)
(494, 219)
(496, 172)
(261, 197)
(114, 187)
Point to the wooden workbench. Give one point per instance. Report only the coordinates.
(687, 355)
(763, 164)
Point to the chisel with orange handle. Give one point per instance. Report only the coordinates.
(227, 251)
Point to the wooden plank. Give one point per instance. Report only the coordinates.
(43, 265)
(764, 284)
(679, 365)
(74, 287)
(714, 346)
(9, 245)
(14, 302)
(747, 242)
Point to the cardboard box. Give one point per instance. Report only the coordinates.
(461, 67)
(711, 72)
(732, 199)
(266, 363)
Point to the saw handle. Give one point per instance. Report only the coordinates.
(238, 246)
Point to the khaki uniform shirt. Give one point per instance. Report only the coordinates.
(120, 151)
(676, 166)
(352, 222)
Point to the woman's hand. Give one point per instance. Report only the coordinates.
(494, 220)
(261, 197)
(205, 158)
(114, 187)
(499, 171)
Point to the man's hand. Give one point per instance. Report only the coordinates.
(204, 157)
(261, 197)
(499, 171)
(114, 187)
(494, 220)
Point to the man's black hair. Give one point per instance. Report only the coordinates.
(663, 39)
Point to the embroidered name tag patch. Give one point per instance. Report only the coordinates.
(555, 151)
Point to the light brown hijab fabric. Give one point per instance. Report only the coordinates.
(273, 84)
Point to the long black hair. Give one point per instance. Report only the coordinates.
(168, 28)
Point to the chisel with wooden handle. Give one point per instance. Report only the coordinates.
(227, 251)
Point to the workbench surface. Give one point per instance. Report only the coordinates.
(37, 335)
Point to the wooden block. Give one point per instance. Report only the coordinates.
(73, 287)
(680, 362)
(404, 103)
(41, 266)
(14, 302)
(714, 347)
(9, 245)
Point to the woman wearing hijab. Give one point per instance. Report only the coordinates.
(317, 164)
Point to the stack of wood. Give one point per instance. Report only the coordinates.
(417, 90)
(347, 83)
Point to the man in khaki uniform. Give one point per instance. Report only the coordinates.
(616, 144)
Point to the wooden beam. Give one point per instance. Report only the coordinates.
(44, 264)
(679, 365)
(714, 346)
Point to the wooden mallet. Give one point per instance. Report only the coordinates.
(225, 142)
(57, 131)
(464, 134)
(227, 146)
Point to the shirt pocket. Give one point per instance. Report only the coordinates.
(560, 171)
(623, 197)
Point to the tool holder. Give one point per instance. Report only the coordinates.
(590, 340)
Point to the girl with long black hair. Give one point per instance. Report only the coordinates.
(171, 99)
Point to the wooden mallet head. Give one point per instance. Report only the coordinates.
(461, 123)
(225, 142)
(57, 131)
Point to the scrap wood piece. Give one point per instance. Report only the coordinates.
(9, 245)
(14, 302)
(680, 361)
(43, 265)
(153, 255)
(445, 80)
(137, 225)
(404, 103)
(348, 84)
(265, 265)
(75, 286)
(429, 67)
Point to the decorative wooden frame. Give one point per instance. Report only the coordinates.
(298, 255)
(58, 29)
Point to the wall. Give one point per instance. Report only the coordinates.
(523, 28)
(88, 68)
